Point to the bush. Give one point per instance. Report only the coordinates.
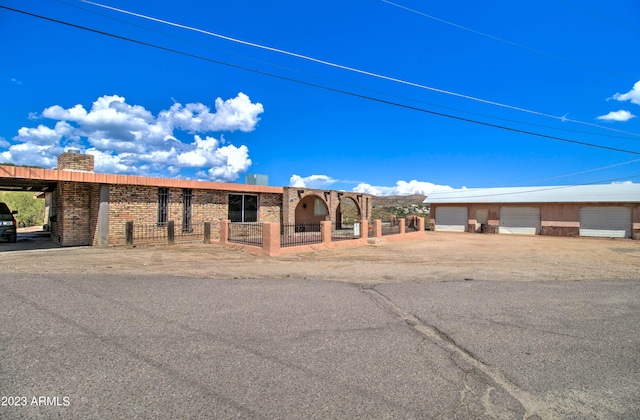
(30, 209)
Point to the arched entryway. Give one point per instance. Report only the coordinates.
(348, 212)
(311, 209)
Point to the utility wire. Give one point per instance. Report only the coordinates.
(391, 95)
(355, 70)
(592, 13)
(505, 41)
(328, 88)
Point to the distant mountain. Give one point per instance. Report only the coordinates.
(398, 205)
(398, 200)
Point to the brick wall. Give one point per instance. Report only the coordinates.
(270, 208)
(73, 214)
(140, 204)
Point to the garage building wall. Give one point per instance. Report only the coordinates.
(556, 219)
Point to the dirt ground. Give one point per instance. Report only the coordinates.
(440, 256)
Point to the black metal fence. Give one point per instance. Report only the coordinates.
(300, 234)
(344, 231)
(246, 233)
(154, 234)
(390, 228)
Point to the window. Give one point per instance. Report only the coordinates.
(187, 195)
(318, 208)
(163, 206)
(243, 208)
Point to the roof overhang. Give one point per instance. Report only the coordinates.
(16, 177)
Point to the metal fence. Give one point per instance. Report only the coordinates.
(192, 233)
(390, 228)
(246, 233)
(159, 233)
(344, 231)
(149, 232)
(300, 234)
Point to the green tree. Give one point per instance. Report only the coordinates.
(30, 209)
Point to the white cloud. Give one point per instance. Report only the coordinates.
(238, 113)
(402, 188)
(32, 154)
(312, 181)
(3, 143)
(621, 116)
(633, 95)
(126, 138)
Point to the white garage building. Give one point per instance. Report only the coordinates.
(610, 211)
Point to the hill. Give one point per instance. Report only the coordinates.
(399, 205)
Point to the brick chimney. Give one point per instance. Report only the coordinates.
(73, 160)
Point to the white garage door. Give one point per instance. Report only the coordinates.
(520, 220)
(605, 222)
(453, 219)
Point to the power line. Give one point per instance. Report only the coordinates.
(355, 70)
(277, 66)
(505, 41)
(328, 88)
(607, 19)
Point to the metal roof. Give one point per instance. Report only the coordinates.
(607, 193)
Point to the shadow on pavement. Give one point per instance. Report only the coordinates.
(29, 239)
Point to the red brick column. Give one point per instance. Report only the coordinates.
(401, 225)
(224, 231)
(421, 224)
(364, 229)
(271, 238)
(377, 228)
(325, 230)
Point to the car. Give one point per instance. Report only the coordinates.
(8, 225)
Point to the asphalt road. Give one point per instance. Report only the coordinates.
(100, 346)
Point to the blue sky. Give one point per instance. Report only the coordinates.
(338, 95)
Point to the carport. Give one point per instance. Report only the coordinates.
(34, 238)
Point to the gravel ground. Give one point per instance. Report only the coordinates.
(440, 256)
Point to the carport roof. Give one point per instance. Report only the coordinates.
(606, 193)
(15, 176)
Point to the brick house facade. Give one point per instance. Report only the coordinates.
(92, 209)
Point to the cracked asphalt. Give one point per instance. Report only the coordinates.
(164, 346)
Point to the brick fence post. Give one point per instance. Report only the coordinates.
(401, 224)
(325, 231)
(421, 224)
(377, 228)
(224, 231)
(271, 238)
(364, 229)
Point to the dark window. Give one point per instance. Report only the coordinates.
(163, 206)
(187, 195)
(243, 208)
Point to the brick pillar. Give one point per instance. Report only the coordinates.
(224, 231)
(421, 224)
(377, 228)
(401, 225)
(325, 231)
(364, 229)
(271, 238)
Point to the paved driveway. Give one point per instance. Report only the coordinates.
(107, 346)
